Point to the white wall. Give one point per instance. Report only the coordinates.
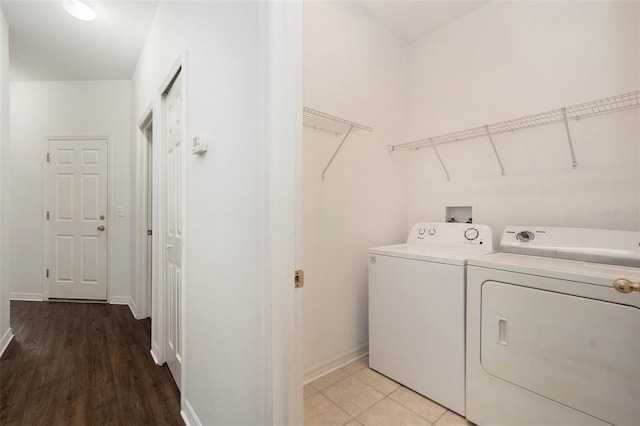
(356, 70)
(221, 272)
(42, 109)
(5, 331)
(509, 59)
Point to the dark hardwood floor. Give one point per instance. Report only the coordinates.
(83, 364)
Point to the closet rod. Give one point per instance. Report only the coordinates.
(574, 112)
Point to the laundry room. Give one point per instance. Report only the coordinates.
(298, 205)
(422, 133)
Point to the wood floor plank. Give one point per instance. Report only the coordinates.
(83, 364)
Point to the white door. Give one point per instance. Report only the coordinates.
(77, 185)
(173, 230)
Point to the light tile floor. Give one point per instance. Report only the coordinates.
(355, 395)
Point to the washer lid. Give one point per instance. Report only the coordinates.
(448, 255)
(572, 270)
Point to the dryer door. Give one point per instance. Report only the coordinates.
(580, 352)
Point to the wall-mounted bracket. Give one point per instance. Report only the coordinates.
(333, 124)
(566, 126)
(446, 172)
(495, 151)
(346, 135)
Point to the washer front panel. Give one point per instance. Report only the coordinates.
(416, 326)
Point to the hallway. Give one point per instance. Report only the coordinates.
(82, 364)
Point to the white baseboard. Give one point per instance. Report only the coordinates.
(335, 363)
(124, 300)
(119, 300)
(26, 297)
(154, 356)
(188, 415)
(133, 308)
(5, 340)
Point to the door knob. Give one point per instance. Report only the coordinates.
(626, 286)
(101, 228)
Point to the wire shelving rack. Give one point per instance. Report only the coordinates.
(330, 123)
(561, 115)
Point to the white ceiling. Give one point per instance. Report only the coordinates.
(46, 43)
(413, 19)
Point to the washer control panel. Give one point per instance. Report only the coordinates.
(448, 234)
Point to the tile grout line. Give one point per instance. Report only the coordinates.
(385, 396)
(388, 396)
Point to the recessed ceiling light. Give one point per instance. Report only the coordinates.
(79, 9)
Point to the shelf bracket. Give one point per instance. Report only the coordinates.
(495, 151)
(346, 135)
(439, 158)
(574, 165)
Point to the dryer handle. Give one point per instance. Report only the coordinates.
(503, 338)
(626, 286)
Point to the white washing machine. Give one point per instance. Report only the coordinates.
(550, 341)
(417, 308)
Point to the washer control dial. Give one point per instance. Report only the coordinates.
(471, 234)
(432, 231)
(525, 236)
(421, 231)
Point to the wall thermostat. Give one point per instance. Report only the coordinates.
(199, 146)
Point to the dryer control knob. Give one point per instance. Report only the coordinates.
(432, 231)
(525, 236)
(421, 231)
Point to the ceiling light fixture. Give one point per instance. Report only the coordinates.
(79, 10)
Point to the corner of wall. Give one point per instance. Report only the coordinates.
(5, 329)
(188, 415)
(6, 338)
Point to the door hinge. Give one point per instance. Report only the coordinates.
(299, 278)
(149, 232)
(47, 215)
(47, 273)
(48, 157)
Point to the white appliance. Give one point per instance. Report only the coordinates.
(417, 308)
(550, 341)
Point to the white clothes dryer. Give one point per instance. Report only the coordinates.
(549, 339)
(417, 308)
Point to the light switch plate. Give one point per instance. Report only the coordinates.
(198, 145)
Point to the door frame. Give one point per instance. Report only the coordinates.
(143, 306)
(279, 209)
(155, 113)
(46, 207)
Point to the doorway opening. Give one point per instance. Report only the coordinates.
(145, 217)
